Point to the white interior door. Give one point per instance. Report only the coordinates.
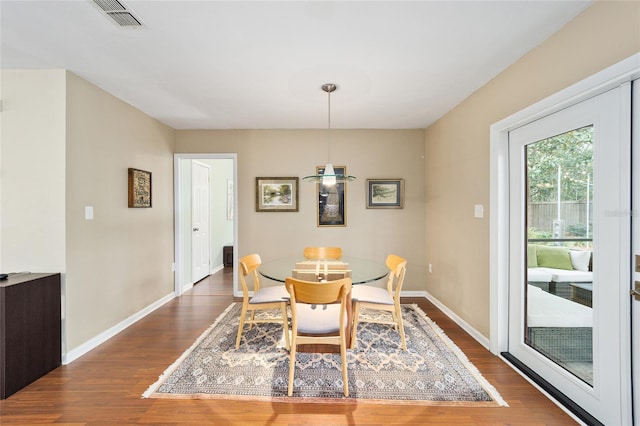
(200, 221)
(597, 381)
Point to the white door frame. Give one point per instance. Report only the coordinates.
(179, 214)
(635, 243)
(622, 72)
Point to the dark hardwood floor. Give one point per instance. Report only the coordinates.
(104, 387)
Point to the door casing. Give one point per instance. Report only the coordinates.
(179, 216)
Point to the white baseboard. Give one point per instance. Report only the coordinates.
(479, 337)
(76, 353)
(216, 269)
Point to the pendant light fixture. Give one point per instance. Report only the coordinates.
(329, 177)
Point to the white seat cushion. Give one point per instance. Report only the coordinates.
(318, 319)
(367, 293)
(537, 275)
(569, 276)
(549, 310)
(270, 294)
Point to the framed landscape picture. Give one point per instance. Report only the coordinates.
(385, 193)
(332, 209)
(139, 188)
(276, 194)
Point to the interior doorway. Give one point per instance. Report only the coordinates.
(222, 225)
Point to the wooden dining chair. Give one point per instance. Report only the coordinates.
(382, 299)
(263, 298)
(322, 253)
(318, 316)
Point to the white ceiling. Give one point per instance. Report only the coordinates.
(260, 65)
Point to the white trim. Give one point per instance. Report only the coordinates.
(216, 269)
(479, 337)
(76, 353)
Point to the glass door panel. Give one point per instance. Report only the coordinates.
(558, 291)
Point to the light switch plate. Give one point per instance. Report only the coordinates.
(88, 212)
(478, 210)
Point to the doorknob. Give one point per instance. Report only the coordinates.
(196, 229)
(636, 291)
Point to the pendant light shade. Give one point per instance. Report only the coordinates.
(329, 177)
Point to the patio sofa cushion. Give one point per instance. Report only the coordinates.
(580, 259)
(554, 257)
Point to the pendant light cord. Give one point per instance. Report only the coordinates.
(329, 128)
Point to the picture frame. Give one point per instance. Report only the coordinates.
(331, 206)
(277, 194)
(139, 188)
(385, 193)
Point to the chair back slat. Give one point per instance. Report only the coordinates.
(318, 293)
(249, 265)
(397, 268)
(321, 253)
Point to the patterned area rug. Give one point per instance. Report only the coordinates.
(431, 371)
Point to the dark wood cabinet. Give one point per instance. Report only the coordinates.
(30, 329)
(227, 255)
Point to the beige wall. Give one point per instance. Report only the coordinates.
(32, 154)
(120, 262)
(366, 154)
(67, 144)
(457, 148)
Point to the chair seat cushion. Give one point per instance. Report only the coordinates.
(318, 319)
(369, 294)
(270, 294)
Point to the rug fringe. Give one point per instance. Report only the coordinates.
(463, 358)
(185, 354)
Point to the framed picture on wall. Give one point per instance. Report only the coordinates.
(332, 209)
(385, 193)
(276, 194)
(139, 188)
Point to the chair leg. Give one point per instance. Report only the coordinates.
(345, 375)
(354, 327)
(243, 314)
(252, 318)
(285, 325)
(292, 367)
(400, 325)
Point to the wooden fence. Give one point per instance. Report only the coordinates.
(542, 215)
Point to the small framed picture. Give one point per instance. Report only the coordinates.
(385, 193)
(276, 194)
(332, 208)
(139, 188)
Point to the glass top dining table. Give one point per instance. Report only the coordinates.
(362, 270)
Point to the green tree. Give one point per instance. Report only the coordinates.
(572, 154)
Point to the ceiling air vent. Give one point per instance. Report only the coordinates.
(116, 11)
